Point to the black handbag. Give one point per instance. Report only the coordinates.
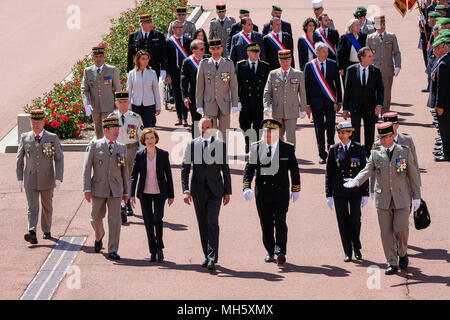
(421, 216)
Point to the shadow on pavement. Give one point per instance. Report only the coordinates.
(416, 124)
(430, 254)
(415, 276)
(327, 270)
(401, 104)
(313, 171)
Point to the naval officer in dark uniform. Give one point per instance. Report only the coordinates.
(270, 160)
(345, 160)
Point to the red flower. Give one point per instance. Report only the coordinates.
(61, 117)
(81, 70)
(80, 122)
(52, 107)
(66, 107)
(70, 111)
(66, 118)
(81, 125)
(77, 105)
(53, 114)
(46, 122)
(131, 29)
(77, 134)
(48, 102)
(55, 124)
(172, 8)
(57, 104)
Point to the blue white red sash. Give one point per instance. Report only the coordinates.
(274, 39)
(325, 40)
(309, 44)
(321, 80)
(179, 47)
(353, 41)
(194, 62)
(245, 38)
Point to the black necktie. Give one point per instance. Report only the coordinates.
(222, 22)
(269, 154)
(346, 151)
(217, 65)
(322, 70)
(123, 119)
(390, 152)
(253, 68)
(205, 144)
(146, 36)
(111, 148)
(364, 77)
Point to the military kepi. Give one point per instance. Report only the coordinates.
(244, 11)
(181, 10)
(37, 114)
(221, 7)
(347, 126)
(379, 20)
(284, 54)
(98, 50)
(385, 129)
(121, 95)
(110, 122)
(255, 47)
(270, 124)
(390, 117)
(145, 18)
(215, 43)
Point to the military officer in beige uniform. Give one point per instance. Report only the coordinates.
(97, 89)
(130, 129)
(217, 88)
(39, 177)
(188, 26)
(220, 27)
(397, 186)
(386, 56)
(285, 96)
(106, 183)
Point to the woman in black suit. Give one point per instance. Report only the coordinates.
(305, 54)
(201, 35)
(155, 186)
(347, 54)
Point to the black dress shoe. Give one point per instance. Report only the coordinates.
(211, 265)
(425, 90)
(129, 209)
(98, 245)
(438, 153)
(152, 257)
(358, 255)
(205, 263)
(123, 214)
(281, 259)
(403, 262)
(390, 270)
(160, 256)
(441, 159)
(47, 235)
(269, 258)
(113, 256)
(322, 161)
(347, 259)
(31, 237)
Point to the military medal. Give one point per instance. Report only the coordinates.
(120, 160)
(401, 165)
(225, 77)
(108, 80)
(48, 149)
(131, 130)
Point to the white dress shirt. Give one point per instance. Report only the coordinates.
(250, 64)
(325, 32)
(361, 73)
(346, 145)
(143, 88)
(101, 68)
(40, 134)
(324, 66)
(273, 147)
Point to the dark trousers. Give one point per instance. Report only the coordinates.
(207, 208)
(153, 213)
(147, 113)
(444, 129)
(324, 119)
(369, 128)
(348, 213)
(273, 216)
(251, 116)
(179, 104)
(195, 117)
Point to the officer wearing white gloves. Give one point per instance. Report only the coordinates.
(345, 160)
(397, 186)
(270, 160)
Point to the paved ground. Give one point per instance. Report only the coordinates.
(315, 268)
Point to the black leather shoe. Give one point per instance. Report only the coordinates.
(269, 258)
(347, 259)
(358, 255)
(98, 245)
(152, 257)
(322, 161)
(211, 265)
(113, 256)
(129, 210)
(403, 262)
(160, 256)
(31, 237)
(123, 214)
(281, 259)
(390, 270)
(441, 159)
(438, 153)
(205, 263)
(425, 90)
(47, 235)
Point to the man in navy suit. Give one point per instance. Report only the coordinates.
(240, 41)
(323, 97)
(327, 35)
(237, 27)
(285, 26)
(275, 41)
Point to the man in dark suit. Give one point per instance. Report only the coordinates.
(150, 40)
(210, 183)
(240, 40)
(189, 82)
(275, 41)
(237, 27)
(285, 26)
(323, 97)
(251, 77)
(178, 48)
(363, 96)
(327, 35)
(270, 160)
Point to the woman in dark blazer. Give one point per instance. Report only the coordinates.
(347, 54)
(201, 35)
(304, 53)
(152, 166)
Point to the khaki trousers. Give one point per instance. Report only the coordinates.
(33, 208)
(97, 117)
(224, 123)
(289, 126)
(394, 227)
(387, 84)
(114, 220)
(131, 154)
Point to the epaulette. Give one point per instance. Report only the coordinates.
(257, 142)
(404, 146)
(240, 61)
(213, 19)
(290, 143)
(332, 147)
(265, 62)
(376, 147)
(227, 59)
(134, 114)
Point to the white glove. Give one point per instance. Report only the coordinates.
(396, 71)
(248, 194)
(330, 202)
(295, 196)
(239, 106)
(57, 184)
(416, 204)
(234, 109)
(350, 183)
(88, 109)
(364, 201)
(162, 74)
(268, 110)
(422, 18)
(200, 110)
(302, 114)
(372, 196)
(20, 185)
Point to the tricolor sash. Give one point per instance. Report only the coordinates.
(322, 81)
(325, 40)
(274, 39)
(353, 41)
(309, 44)
(245, 38)
(179, 47)
(194, 62)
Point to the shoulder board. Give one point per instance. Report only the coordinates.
(332, 147)
(376, 147)
(213, 19)
(257, 142)
(241, 61)
(134, 114)
(227, 59)
(289, 143)
(405, 134)
(405, 146)
(262, 61)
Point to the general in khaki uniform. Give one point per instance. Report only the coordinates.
(39, 177)
(97, 90)
(217, 88)
(397, 185)
(130, 129)
(386, 56)
(106, 183)
(220, 27)
(188, 26)
(285, 96)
